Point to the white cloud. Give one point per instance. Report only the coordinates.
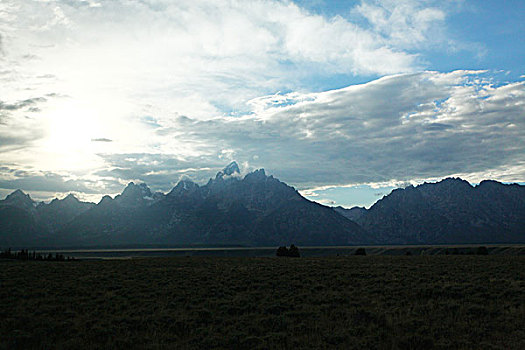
(160, 78)
(197, 58)
(405, 23)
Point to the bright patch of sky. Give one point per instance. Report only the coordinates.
(344, 100)
(348, 196)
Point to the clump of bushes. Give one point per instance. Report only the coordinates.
(482, 250)
(293, 251)
(360, 251)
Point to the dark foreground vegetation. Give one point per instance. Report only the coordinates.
(383, 302)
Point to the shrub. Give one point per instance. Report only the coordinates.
(293, 251)
(360, 251)
(482, 250)
(282, 251)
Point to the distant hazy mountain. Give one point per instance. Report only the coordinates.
(59, 212)
(450, 211)
(257, 210)
(354, 213)
(23, 222)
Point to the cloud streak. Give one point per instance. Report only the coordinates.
(101, 139)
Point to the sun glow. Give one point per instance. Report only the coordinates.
(71, 126)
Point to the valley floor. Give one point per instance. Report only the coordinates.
(384, 302)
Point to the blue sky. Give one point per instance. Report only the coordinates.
(344, 100)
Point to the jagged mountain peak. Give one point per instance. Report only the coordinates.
(136, 191)
(137, 195)
(105, 200)
(451, 182)
(17, 194)
(258, 174)
(231, 170)
(186, 181)
(131, 184)
(20, 199)
(71, 198)
(185, 185)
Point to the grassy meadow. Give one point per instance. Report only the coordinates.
(377, 302)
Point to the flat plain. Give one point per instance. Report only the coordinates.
(376, 302)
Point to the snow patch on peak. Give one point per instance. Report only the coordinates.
(231, 169)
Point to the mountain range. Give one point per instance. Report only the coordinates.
(259, 210)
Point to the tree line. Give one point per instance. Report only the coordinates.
(25, 254)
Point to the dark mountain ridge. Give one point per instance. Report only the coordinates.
(449, 211)
(24, 222)
(259, 210)
(253, 210)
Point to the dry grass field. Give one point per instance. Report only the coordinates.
(376, 302)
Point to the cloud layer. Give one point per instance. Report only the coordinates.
(390, 131)
(394, 129)
(98, 93)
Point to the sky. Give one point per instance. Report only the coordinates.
(344, 100)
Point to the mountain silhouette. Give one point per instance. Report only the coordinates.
(259, 210)
(24, 222)
(449, 211)
(253, 210)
